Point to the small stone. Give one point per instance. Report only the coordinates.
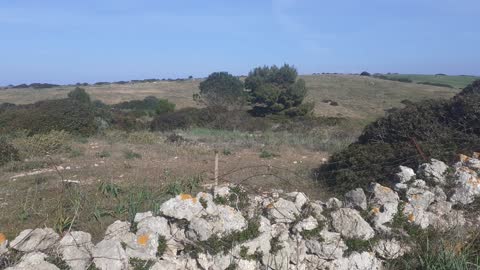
(110, 255)
(389, 249)
(35, 240)
(183, 206)
(283, 211)
(405, 175)
(307, 224)
(350, 224)
(434, 171)
(117, 230)
(333, 203)
(76, 248)
(33, 261)
(356, 199)
(140, 216)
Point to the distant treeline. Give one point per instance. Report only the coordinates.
(48, 85)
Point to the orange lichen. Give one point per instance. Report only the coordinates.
(463, 158)
(185, 197)
(143, 239)
(411, 217)
(3, 238)
(386, 189)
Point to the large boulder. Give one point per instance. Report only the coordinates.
(350, 224)
(356, 199)
(35, 240)
(76, 248)
(34, 261)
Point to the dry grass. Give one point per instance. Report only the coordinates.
(144, 181)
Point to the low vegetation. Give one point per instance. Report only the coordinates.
(429, 129)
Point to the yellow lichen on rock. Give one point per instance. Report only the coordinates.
(411, 217)
(185, 197)
(3, 238)
(463, 158)
(143, 239)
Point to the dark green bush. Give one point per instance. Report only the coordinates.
(184, 118)
(7, 152)
(80, 95)
(221, 89)
(276, 90)
(438, 129)
(41, 117)
(164, 106)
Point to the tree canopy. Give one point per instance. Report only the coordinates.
(221, 89)
(276, 90)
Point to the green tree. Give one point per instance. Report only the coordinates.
(276, 90)
(79, 94)
(221, 89)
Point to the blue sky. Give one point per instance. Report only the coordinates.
(67, 41)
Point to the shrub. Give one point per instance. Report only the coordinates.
(275, 90)
(364, 74)
(41, 144)
(7, 152)
(70, 115)
(221, 89)
(436, 84)
(164, 106)
(428, 129)
(79, 95)
(148, 104)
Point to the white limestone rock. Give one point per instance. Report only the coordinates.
(76, 248)
(110, 255)
(350, 224)
(33, 261)
(35, 240)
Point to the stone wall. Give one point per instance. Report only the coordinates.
(229, 229)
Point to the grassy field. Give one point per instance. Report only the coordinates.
(91, 182)
(458, 82)
(358, 97)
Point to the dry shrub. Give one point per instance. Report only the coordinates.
(142, 137)
(41, 144)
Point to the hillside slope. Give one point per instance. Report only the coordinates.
(358, 97)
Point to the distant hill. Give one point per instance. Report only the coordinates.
(458, 82)
(359, 97)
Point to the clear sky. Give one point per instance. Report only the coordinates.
(68, 41)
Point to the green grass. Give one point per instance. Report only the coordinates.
(458, 82)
